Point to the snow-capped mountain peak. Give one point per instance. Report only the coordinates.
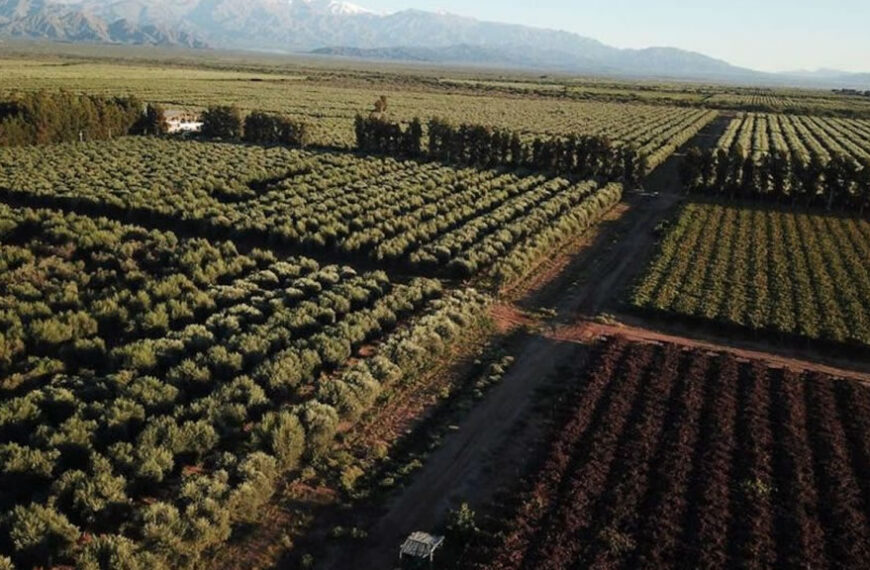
(334, 7)
(347, 8)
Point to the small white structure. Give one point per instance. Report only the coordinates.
(421, 545)
(177, 126)
(183, 122)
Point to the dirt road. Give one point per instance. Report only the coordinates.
(586, 331)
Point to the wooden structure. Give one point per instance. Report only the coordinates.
(421, 545)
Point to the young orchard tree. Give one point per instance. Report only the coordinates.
(112, 552)
(40, 536)
(320, 421)
(282, 435)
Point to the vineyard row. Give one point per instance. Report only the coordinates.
(678, 458)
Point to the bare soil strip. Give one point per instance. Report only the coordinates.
(585, 332)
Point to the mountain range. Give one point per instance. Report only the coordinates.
(335, 28)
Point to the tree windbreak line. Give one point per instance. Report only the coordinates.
(582, 156)
(53, 117)
(226, 123)
(803, 160)
(143, 447)
(841, 182)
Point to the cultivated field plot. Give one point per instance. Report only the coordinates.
(765, 268)
(153, 389)
(762, 99)
(795, 101)
(330, 107)
(674, 458)
(426, 218)
(798, 136)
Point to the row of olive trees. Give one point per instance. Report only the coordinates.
(226, 123)
(87, 305)
(211, 461)
(51, 117)
(150, 458)
(780, 177)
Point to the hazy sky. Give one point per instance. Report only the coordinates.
(768, 35)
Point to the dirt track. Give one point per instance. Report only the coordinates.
(490, 446)
(587, 331)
